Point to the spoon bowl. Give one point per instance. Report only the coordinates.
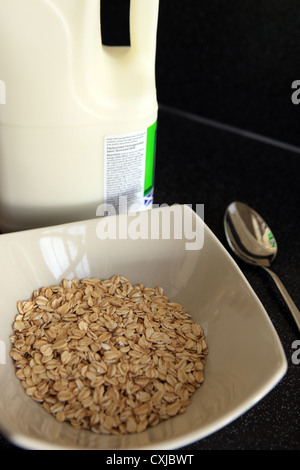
(248, 235)
(251, 239)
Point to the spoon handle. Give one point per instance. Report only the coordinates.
(290, 303)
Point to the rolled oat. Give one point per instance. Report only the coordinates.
(107, 355)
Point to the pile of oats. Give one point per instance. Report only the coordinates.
(106, 355)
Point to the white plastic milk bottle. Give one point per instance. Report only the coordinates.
(77, 119)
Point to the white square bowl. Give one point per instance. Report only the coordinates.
(245, 359)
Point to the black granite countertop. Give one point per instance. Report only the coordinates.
(205, 162)
(200, 162)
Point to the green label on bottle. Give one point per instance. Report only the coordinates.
(150, 164)
(129, 161)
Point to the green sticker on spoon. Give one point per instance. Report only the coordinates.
(272, 240)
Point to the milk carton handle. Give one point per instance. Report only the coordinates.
(143, 26)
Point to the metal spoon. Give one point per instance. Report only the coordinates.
(251, 239)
